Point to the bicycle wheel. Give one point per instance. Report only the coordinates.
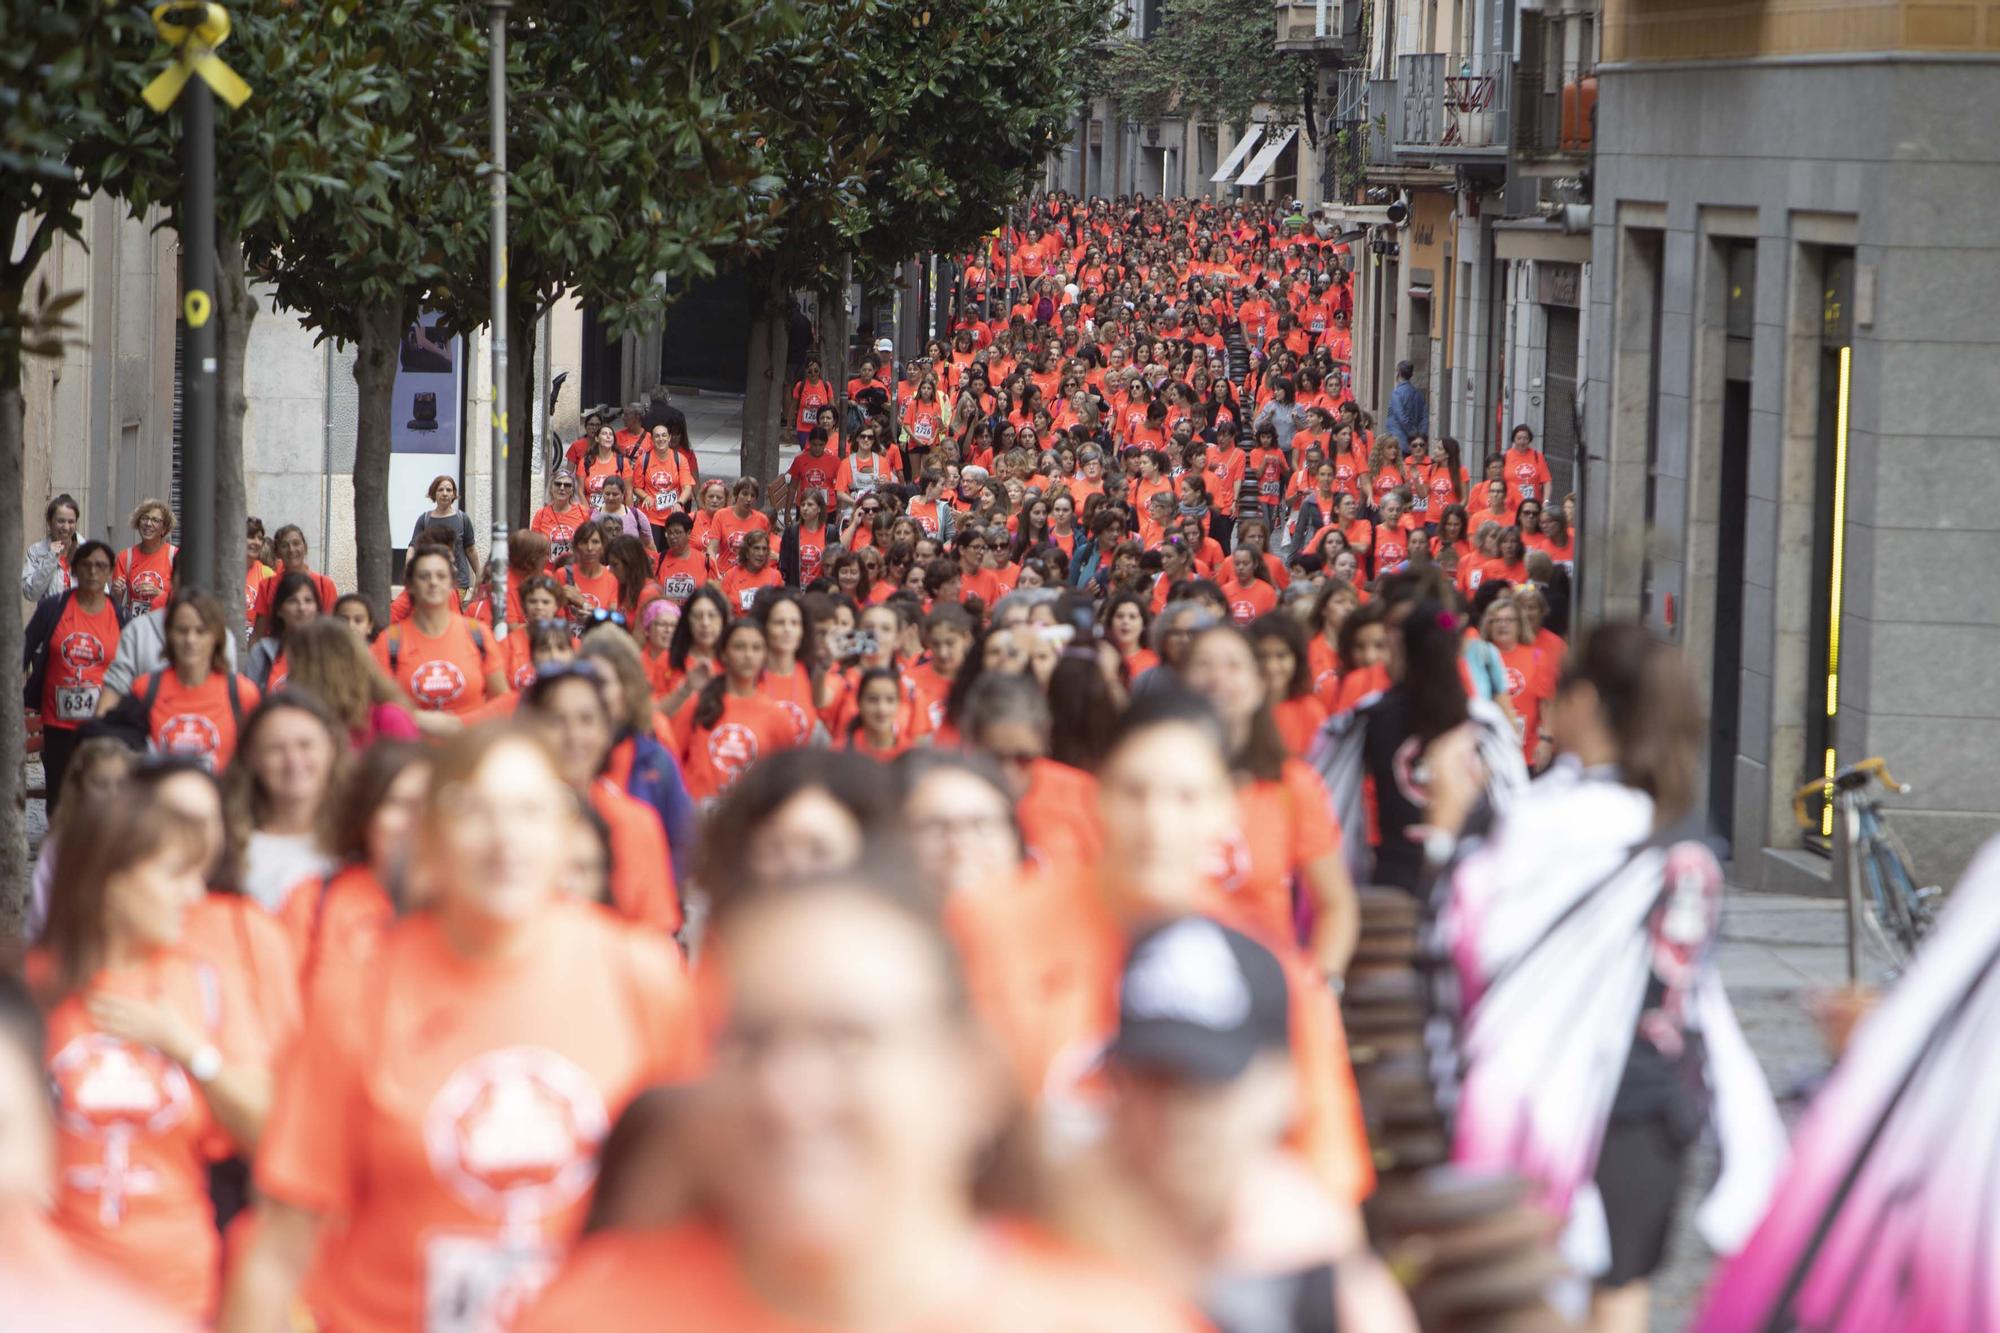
(1884, 915)
(1913, 911)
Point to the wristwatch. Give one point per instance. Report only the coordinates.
(205, 1063)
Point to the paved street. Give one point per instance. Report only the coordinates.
(1776, 952)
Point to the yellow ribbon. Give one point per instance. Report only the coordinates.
(194, 45)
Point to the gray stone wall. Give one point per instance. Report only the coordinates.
(1892, 156)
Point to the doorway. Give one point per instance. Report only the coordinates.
(1732, 508)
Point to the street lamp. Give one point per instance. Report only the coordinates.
(497, 15)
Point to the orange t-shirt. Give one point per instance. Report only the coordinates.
(1249, 600)
(1299, 721)
(196, 722)
(134, 1134)
(680, 575)
(233, 932)
(451, 1111)
(600, 590)
(1043, 956)
(712, 758)
(50, 1285)
(142, 581)
(728, 532)
(267, 594)
(335, 926)
(741, 587)
(814, 472)
(642, 876)
(793, 692)
(1059, 815)
(559, 526)
(80, 648)
(659, 480)
(1023, 1280)
(446, 674)
(1285, 825)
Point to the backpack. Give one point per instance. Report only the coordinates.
(131, 722)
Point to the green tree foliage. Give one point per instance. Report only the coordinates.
(57, 59)
(899, 126)
(635, 164)
(1210, 58)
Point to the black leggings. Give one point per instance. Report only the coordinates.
(58, 745)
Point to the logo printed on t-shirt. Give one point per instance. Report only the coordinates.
(801, 720)
(144, 588)
(514, 1132)
(189, 734)
(111, 1092)
(732, 747)
(82, 650)
(437, 682)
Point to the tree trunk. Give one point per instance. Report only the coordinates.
(836, 329)
(381, 334)
(523, 319)
(763, 394)
(238, 309)
(13, 726)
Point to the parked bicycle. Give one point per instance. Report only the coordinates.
(1880, 888)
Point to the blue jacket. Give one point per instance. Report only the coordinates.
(656, 779)
(1408, 413)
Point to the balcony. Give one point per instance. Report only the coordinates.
(1557, 118)
(1322, 27)
(1452, 109)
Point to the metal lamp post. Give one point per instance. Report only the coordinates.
(497, 15)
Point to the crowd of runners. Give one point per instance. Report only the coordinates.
(916, 893)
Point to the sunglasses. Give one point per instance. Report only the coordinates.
(541, 625)
(603, 617)
(565, 486)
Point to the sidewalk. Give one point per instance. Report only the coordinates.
(1776, 952)
(715, 429)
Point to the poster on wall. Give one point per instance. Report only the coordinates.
(424, 428)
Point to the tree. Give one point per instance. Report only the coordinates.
(57, 58)
(295, 145)
(632, 166)
(900, 126)
(408, 229)
(1210, 58)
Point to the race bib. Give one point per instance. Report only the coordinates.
(78, 704)
(668, 499)
(481, 1284)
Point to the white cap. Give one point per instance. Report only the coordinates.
(884, 345)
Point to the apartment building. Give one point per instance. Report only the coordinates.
(1791, 404)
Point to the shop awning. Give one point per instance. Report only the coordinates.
(1267, 156)
(1237, 154)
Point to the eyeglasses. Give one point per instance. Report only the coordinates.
(540, 626)
(565, 486)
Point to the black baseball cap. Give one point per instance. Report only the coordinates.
(1200, 1001)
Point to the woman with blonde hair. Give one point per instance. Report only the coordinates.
(143, 576)
(331, 662)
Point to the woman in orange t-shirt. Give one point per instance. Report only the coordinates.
(1248, 586)
(569, 706)
(588, 582)
(195, 703)
(446, 664)
(799, 978)
(730, 725)
(1285, 659)
(789, 680)
(754, 572)
(158, 1060)
(877, 729)
(1047, 949)
(728, 527)
(601, 460)
(1335, 603)
(446, 1108)
(694, 657)
(1128, 617)
(142, 577)
(1287, 824)
(1530, 684)
(559, 519)
(335, 923)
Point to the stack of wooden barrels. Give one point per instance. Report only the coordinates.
(1474, 1253)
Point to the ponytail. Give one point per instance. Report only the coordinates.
(708, 704)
